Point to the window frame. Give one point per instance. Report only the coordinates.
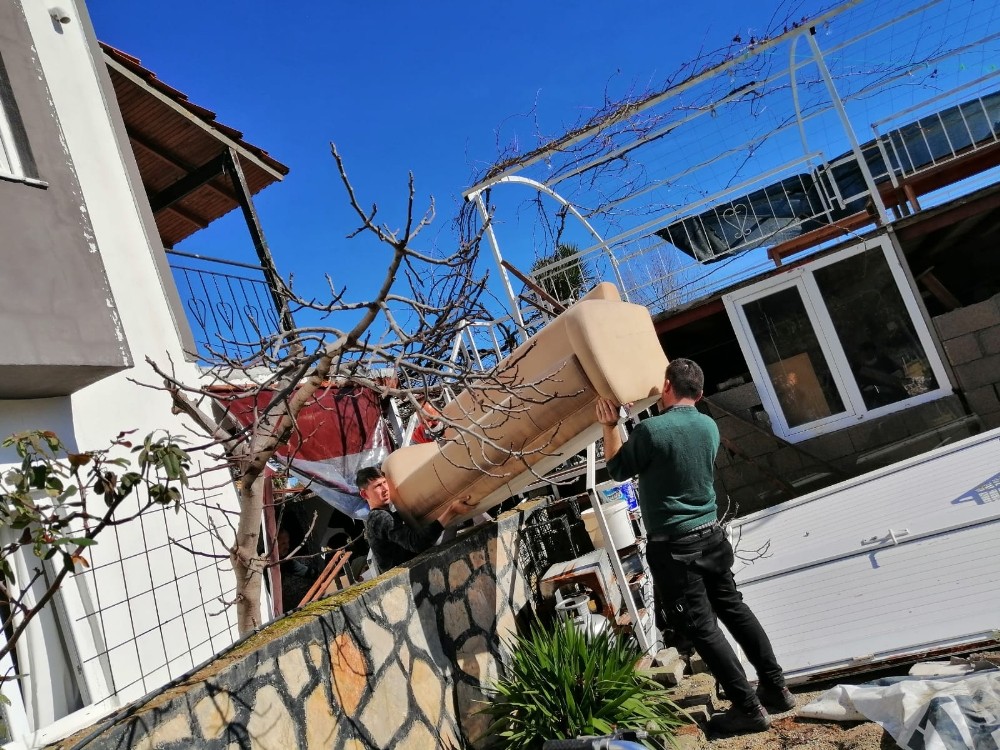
(10, 160)
(803, 280)
(17, 162)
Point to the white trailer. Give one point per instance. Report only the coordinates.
(902, 561)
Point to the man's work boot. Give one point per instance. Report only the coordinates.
(776, 700)
(738, 721)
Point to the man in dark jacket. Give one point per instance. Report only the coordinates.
(689, 555)
(392, 541)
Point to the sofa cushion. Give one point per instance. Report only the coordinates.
(536, 410)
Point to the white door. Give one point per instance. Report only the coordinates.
(900, 561)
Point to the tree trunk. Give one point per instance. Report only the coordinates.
(247, 563)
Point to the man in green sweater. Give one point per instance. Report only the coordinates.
(688, 553)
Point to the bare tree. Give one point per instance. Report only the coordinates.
(406, 328)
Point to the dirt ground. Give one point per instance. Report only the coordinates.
(787, 732)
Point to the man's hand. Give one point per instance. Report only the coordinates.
(607, 412)
(458, 507)
(607, 415)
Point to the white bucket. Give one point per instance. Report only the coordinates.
(619, 523)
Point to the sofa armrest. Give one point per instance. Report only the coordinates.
(618, 348)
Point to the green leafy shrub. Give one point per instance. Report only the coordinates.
(562, 683)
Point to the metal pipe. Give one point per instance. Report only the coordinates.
(845, 122)
(488, 228)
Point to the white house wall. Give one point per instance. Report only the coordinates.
(143, 614)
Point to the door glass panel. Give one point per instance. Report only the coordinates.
(791, 352)
(871, 320)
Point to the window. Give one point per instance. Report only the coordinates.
(15, 153)
(835, 342)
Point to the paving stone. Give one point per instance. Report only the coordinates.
(316, 654)
(456, 618)
(175, 730)
(436, 580)
(666, 656)
(388, 707)
(472, 658)
(418, 738)
(477, 558)
(698, 714)
(474, 721)
(321, 723)
(270, 726)
(213, 714)
(294, 672)
(396, 604)
(697, 664)
(670, 675)
(694, 700)
(458, 574)
(506, 624)
(428, 690)
(482, 598)
(350, 673)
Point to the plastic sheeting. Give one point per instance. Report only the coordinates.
(803, 202)
(340, 430)
(942, 713)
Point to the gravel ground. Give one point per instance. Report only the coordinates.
(787, 732)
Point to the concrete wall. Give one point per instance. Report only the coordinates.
(396, 664)
(971, 339)
(54, 294)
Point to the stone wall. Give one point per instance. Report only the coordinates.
(971, 339)
(398, 663)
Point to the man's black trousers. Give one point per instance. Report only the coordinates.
(694, 577)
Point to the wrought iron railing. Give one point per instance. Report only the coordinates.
(228, 304)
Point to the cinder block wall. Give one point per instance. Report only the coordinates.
(764, 471)
(971, 338)
(399, 663)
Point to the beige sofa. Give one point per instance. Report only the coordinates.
(537, 411)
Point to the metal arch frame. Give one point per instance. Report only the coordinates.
(477, 196)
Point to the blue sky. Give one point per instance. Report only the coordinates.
(433, 88)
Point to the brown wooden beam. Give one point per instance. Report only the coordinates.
(173, 160)
(939, 219)
(939, 290)
(557, 306)
(966, 164)
(684, 317)
(188, 216)
(186, 185)
(245, 201)
(817, 236)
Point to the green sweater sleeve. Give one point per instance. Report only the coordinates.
(633, 456)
